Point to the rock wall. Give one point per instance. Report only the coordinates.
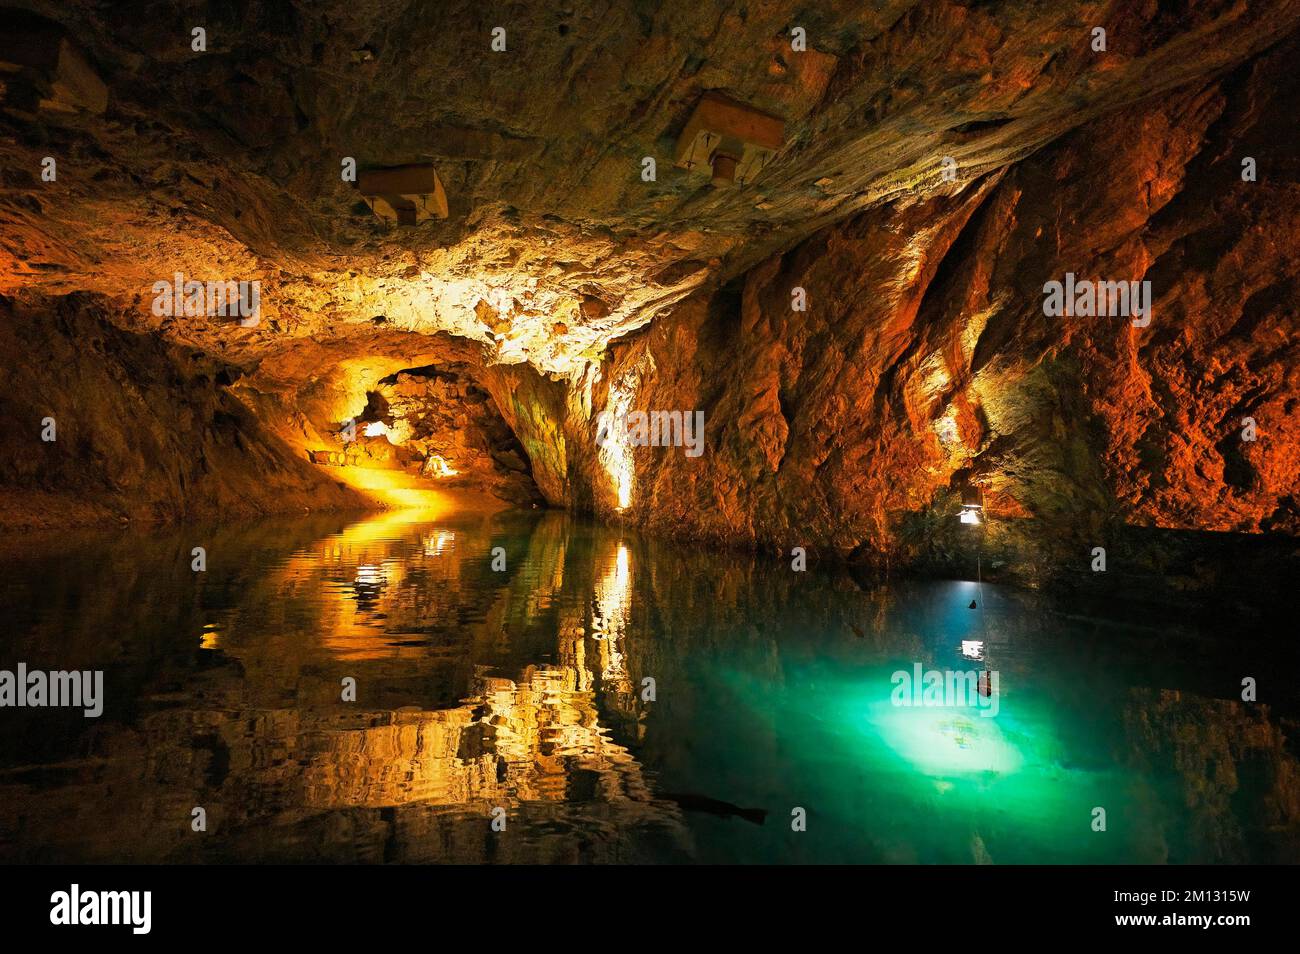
(441, 416)
(924, 362)
(923, 366)
(144, 430)
(216, 165)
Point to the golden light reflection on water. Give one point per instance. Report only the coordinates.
(512, 741)
(393, 589)
(474, 690)
(520, 689)
(612, 607)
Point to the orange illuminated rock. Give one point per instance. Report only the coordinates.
(865, 339)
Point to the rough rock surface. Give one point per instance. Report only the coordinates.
(143, 429)
(226, 163)
(923, 363)
(442, 416)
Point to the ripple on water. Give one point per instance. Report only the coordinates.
(620, 698)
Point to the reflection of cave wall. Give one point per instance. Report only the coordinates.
(523, 689)
(1236, 773)
(255, 731)
(347, 785)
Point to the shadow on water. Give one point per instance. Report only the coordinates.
(617, 697)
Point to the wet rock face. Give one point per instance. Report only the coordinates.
(924, 360)
(98, 424)
(442, 417)
(865, 336)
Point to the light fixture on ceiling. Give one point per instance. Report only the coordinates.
(404, 195)
(730, 140)
(972, 504)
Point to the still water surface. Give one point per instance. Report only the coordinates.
(526, 690)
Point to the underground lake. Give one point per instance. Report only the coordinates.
(480, 686)
(485, 462)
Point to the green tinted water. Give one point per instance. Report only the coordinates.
(610, 698)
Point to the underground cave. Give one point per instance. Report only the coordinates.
(649, 433)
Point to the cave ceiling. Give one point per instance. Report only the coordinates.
(226, 164)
